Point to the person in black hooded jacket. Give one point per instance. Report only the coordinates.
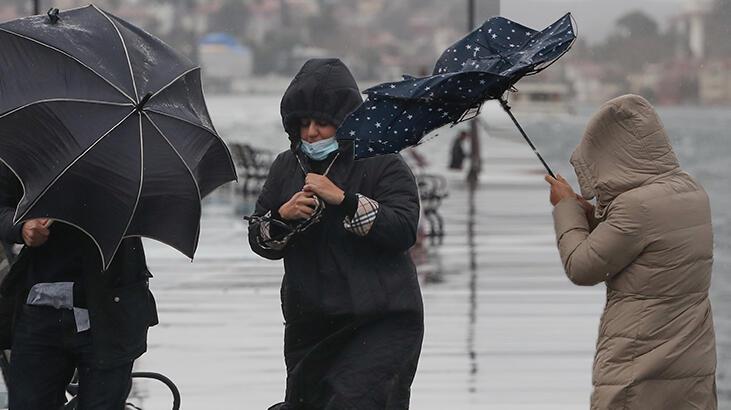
(61, 311)
(350, 295)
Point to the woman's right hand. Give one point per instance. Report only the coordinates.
(300, 206)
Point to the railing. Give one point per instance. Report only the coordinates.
(432, 190)
(253, 166)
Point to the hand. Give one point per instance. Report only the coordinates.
(300, 206)
(324, 188)
(588, 206)
(560, 189)
(35, 231)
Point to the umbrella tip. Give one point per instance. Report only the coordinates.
(53, 15)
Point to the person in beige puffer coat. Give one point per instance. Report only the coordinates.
(650, 240)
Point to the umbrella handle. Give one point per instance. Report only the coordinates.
(507, 109)
(53, 15)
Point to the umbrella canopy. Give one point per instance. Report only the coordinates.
(107, 129)
(481, 66)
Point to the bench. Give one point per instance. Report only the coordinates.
(252, 165)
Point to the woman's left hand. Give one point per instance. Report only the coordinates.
(560, 189)
(324, 188)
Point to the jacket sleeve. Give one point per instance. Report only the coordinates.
(397, 217)
(267, 202)
(10, 193)
(592, 256)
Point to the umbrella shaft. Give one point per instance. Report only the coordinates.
(507, 109)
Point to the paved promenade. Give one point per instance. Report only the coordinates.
(504, 328)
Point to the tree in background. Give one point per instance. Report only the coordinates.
(636, 42)
(637, 24)
(273, 54)
(323, 27)
(231, 18)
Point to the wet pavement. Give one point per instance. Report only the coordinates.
(504, 327)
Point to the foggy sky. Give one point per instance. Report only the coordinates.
(595, 18)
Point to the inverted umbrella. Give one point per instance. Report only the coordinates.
(481, 66)
(107, 129)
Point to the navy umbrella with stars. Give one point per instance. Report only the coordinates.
(479, 67)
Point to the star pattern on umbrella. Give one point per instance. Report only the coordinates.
(481, 66)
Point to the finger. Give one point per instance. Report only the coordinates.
(34, 239)
(298, 214)
(32, 224)
(305, 203)
(551, 180)
(40, 231)
(561, 178)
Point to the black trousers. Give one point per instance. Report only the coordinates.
(46, 350)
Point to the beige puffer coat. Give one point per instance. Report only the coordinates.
(652, 244)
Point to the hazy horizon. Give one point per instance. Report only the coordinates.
(595, 19)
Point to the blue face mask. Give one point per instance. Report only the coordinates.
(319, 150)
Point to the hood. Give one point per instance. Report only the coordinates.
(323, 89)
(624, 147)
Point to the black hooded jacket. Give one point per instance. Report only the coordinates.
(324, 89)
(121, 306)
(352, 304)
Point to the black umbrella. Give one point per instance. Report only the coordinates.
(107, 129)
(481, 66)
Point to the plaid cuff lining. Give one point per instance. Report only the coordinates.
(265, 239)
(362, 222)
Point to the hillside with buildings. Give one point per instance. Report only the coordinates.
(684, 60)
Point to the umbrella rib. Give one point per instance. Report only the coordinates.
(159, 240)
(139, 190)
(101, 252)
(62, 173)
(186, 72)
(190, 171)
(50, 100)
(71, 57)
(124, 47)
(203, 127)
(231, 161)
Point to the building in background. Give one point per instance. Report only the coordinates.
(715, 82)
(683, 61)
(224, 61)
